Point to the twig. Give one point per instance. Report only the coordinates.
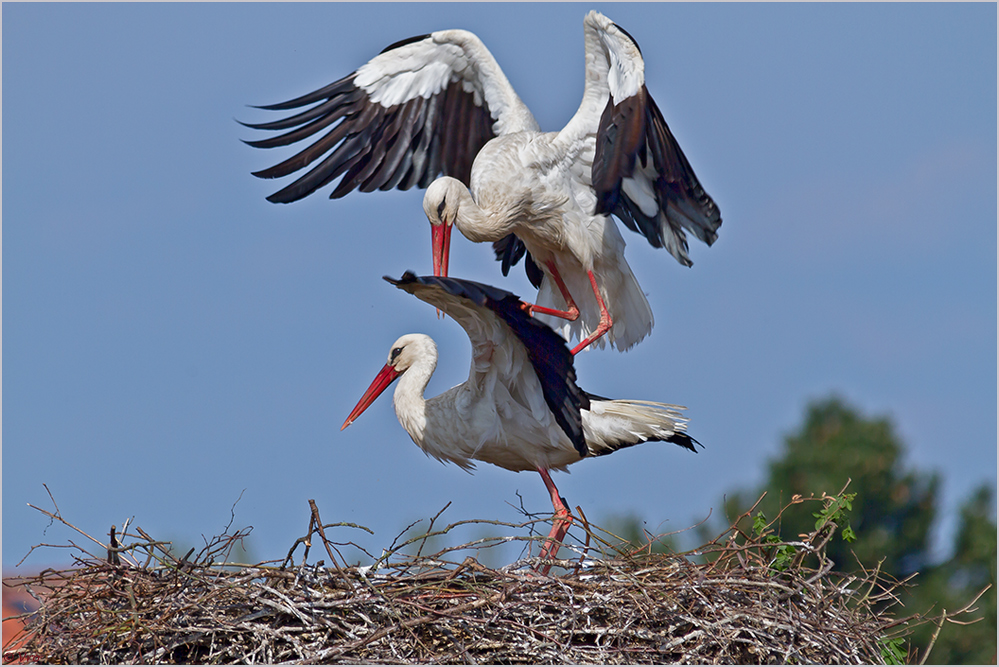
(322, 534)
(933, 639)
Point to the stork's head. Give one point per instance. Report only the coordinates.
(405, 352)
(440, 203)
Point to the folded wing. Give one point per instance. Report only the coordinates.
(494, 318)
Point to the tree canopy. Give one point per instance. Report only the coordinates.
(837, 448)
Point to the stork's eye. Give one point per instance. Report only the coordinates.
(440, 209)
(396, 352)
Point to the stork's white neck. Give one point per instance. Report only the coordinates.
(410, 405)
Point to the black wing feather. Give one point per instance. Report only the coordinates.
(328, 91)
(509, 250)
(632, 132)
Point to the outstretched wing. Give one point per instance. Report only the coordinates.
(493, 318)
(639, 172)
(423, 107)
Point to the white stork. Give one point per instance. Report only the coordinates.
(520, 408)
(439, 103)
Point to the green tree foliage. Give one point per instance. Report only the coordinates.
(891, 516)
(953, 583)
(894, 508)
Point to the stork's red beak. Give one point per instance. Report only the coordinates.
(441, 237)
(384, 378)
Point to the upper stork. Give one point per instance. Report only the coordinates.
(439, 104)
(520, 408)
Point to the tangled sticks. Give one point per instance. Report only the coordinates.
(727, 603)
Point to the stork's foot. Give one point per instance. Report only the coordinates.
(560, 526)
(572, 314)
(603, 327)
(605, 319)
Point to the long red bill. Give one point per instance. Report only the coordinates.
(384, 378)
(440, 236)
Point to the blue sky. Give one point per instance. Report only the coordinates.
(173, 340)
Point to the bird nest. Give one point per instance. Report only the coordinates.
(743, 598)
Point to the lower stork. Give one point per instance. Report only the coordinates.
(520, 408)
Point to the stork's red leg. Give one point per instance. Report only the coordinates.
(605, 319)
(560, 526)
(571, 313)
